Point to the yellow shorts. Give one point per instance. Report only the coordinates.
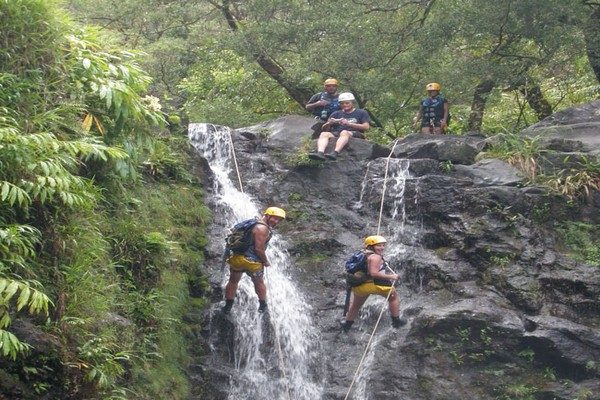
(370, 288)
(239, 263)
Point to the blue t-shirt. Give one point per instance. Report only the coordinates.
(358, 116)
(325, 112)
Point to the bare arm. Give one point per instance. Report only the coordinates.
(374, 263)
(261, 235)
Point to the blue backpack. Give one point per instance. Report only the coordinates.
(239, 238)
(357, 262)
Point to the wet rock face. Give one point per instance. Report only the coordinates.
(495, 310)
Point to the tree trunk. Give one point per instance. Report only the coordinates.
(536, 100)
(592, 39)
(482, 91)
(297, 92)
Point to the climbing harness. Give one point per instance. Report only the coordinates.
(362, 359)
(277, 341)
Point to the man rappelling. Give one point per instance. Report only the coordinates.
(433, 111)
(245, 252)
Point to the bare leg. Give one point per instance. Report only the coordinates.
(342, 140)
(355, 305)
(394, 303)
(426, 129)
(232, 284)
(323, 140)
(260, 288)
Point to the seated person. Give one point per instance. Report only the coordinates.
(323, 104)
(343, 124)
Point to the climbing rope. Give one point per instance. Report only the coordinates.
(277, 341)
(237, 170)
(387, 165)
(362, 359)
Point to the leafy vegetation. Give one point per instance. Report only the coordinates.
(90, 261)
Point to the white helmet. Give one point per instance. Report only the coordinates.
(347, 96)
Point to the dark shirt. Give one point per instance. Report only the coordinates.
(333, 105)
(358, 116)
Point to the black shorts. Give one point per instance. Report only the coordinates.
(355, 134)
(428, 122)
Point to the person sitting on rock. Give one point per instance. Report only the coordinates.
(344, 124)
(433, 111)
(377, 282)
(253, 260)
(323, 104)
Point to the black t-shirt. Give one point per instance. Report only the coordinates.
(358, 116)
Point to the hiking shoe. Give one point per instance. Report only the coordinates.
(262, 307)
(332, 156)
(398, 322)
(317, 156)
(227, 307)
(346, 325)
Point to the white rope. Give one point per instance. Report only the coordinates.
(237, 170)
(387, 165)
(362, 359)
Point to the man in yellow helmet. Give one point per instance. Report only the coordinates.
(323, 104)
(250, 256)
(433, 112)
(377, 282)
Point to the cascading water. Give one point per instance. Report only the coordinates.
(276, 360)
(402, 235)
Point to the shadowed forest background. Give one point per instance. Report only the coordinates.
(102, 223)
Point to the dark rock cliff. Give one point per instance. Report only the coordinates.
(495, 309)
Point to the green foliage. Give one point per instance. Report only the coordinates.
(582, 241)
(28, 297)
(577, 181)
(517, 150)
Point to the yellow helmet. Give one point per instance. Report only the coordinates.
(373, 240)
(330, 81)
(433, 86)
(275, 211)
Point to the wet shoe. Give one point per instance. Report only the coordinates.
(262, 307)
(332, 156)
(317, 156)
(346, 325)
(227, 307)
(398, 322)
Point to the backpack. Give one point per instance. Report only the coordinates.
(239, 238)
(357, 262)
(356, 268)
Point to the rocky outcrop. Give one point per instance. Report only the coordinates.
(495, 309)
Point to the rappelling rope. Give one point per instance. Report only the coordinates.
(277, 341)
(387, 165)
(237, 170)
(362, 359)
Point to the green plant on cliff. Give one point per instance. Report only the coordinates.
(520, 151)
(582, 241)
(577, 181)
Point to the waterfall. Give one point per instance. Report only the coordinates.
(398, 230)
(260, 371)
